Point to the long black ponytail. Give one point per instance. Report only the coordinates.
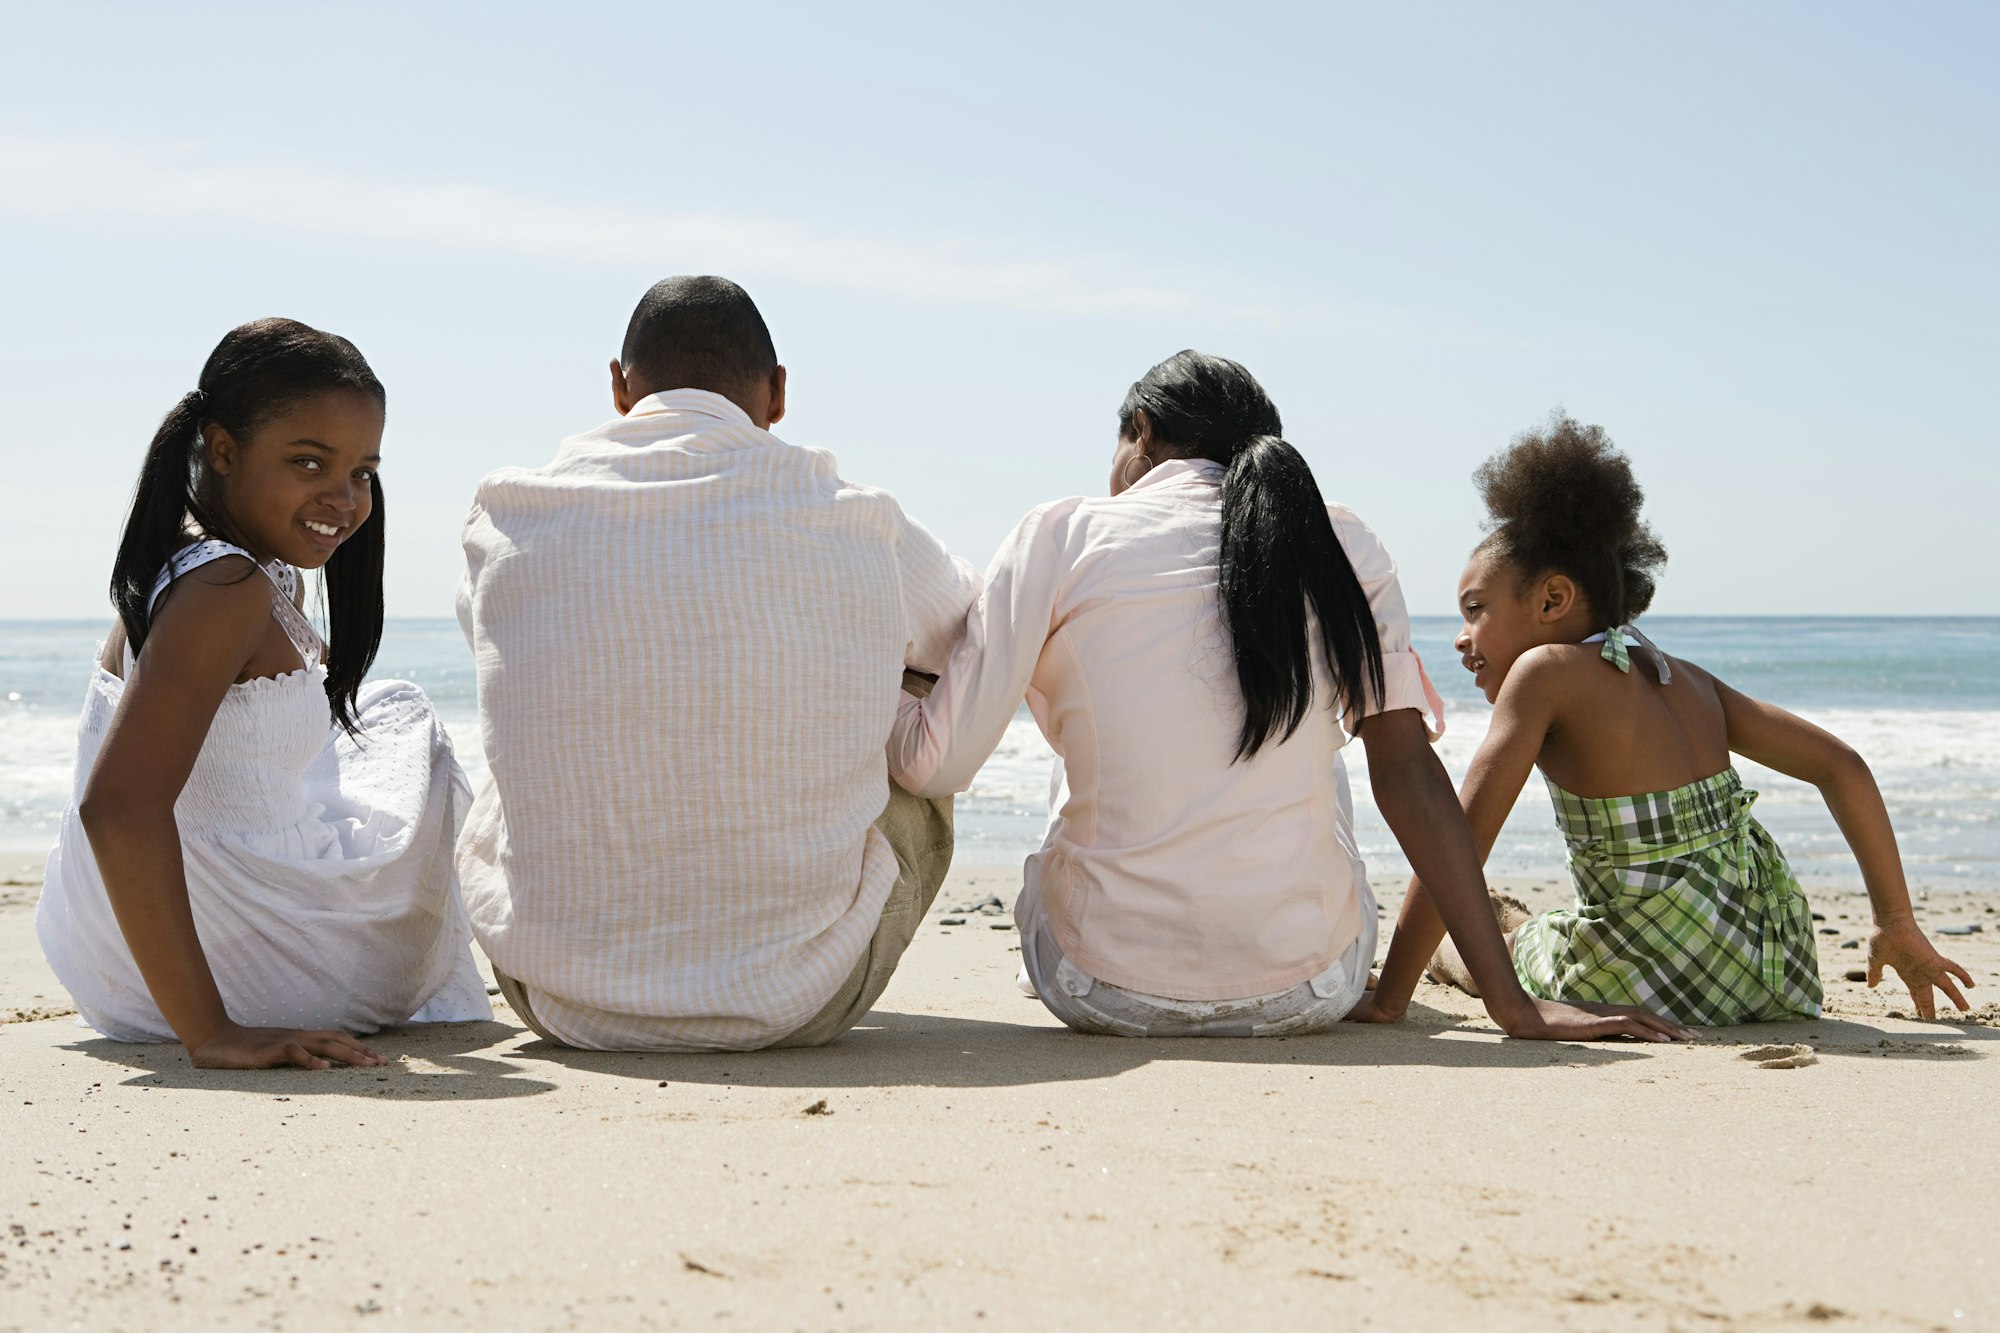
(1280, 556)
(256, 370)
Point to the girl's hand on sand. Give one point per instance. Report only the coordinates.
(237, 1047)
(1903, 946)
(1373, 1010)
(1554, 1020)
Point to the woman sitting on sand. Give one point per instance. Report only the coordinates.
(1684, 903)
(235, 871)
(1192, 647)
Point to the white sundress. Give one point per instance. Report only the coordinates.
(319, 865)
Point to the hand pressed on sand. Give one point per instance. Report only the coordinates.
(1903, 946)
(238, 1047)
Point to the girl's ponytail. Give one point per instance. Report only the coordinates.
(157, 525)
(1285, 575)
(1280, 557)
(354, 609)
(256, 370)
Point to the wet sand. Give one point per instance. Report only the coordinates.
(962, 1160)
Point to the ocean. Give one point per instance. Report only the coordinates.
(1919, 698)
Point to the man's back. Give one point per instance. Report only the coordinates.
(690, 638)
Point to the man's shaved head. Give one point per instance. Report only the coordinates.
(698, 333)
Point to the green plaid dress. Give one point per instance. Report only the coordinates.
(1684, 905)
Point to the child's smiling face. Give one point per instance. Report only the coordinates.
(304, 480)
(1504, 616)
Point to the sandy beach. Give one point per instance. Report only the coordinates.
(960, 1160)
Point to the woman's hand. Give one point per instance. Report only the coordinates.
(1902, 945)
(1556, 1020)
(238, 1047)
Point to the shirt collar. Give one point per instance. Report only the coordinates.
(1180, 472)
(694, 402)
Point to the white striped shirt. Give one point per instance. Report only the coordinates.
(690, 638)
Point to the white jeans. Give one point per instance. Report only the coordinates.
(1090, 1005)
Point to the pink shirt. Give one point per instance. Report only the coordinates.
(1168, 868)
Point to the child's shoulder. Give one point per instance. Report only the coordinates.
(222, 571)
(207, 560)
(227, 587)
(1553, 665)
(1554, 678)
(1565, 672)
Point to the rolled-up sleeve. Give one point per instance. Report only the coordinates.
(464, 599)
(937, 587)
(940, 741)
(1405, 683)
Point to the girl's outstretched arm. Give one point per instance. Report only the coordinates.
(199, 642)
(1415, 797)
(1795, 747)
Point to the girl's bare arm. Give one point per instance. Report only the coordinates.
(1415, 797)
(1795, 747)
(199, 642)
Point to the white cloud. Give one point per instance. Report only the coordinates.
(56, 178)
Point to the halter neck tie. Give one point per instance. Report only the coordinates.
(1616, 653)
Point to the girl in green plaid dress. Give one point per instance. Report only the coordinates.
(1684, 903)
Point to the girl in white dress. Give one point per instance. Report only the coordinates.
(235, 870)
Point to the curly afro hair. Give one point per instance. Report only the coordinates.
(1562, 500)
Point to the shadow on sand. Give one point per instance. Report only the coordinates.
(479, 1061)
(435, 1062)
(892, 1049)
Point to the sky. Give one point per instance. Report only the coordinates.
(1754, 242)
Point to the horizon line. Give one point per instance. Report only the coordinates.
(1414, 615)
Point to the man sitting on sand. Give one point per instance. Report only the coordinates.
(691, 640)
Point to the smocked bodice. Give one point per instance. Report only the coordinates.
(250, 776)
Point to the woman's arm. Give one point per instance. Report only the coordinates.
(1415, 797)
(1521, 719)
(1795, 747)
(199, 642)
(939, 742)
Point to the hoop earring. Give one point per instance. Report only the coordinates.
(1125, 473)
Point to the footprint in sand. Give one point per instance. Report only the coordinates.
(1795, 1055)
